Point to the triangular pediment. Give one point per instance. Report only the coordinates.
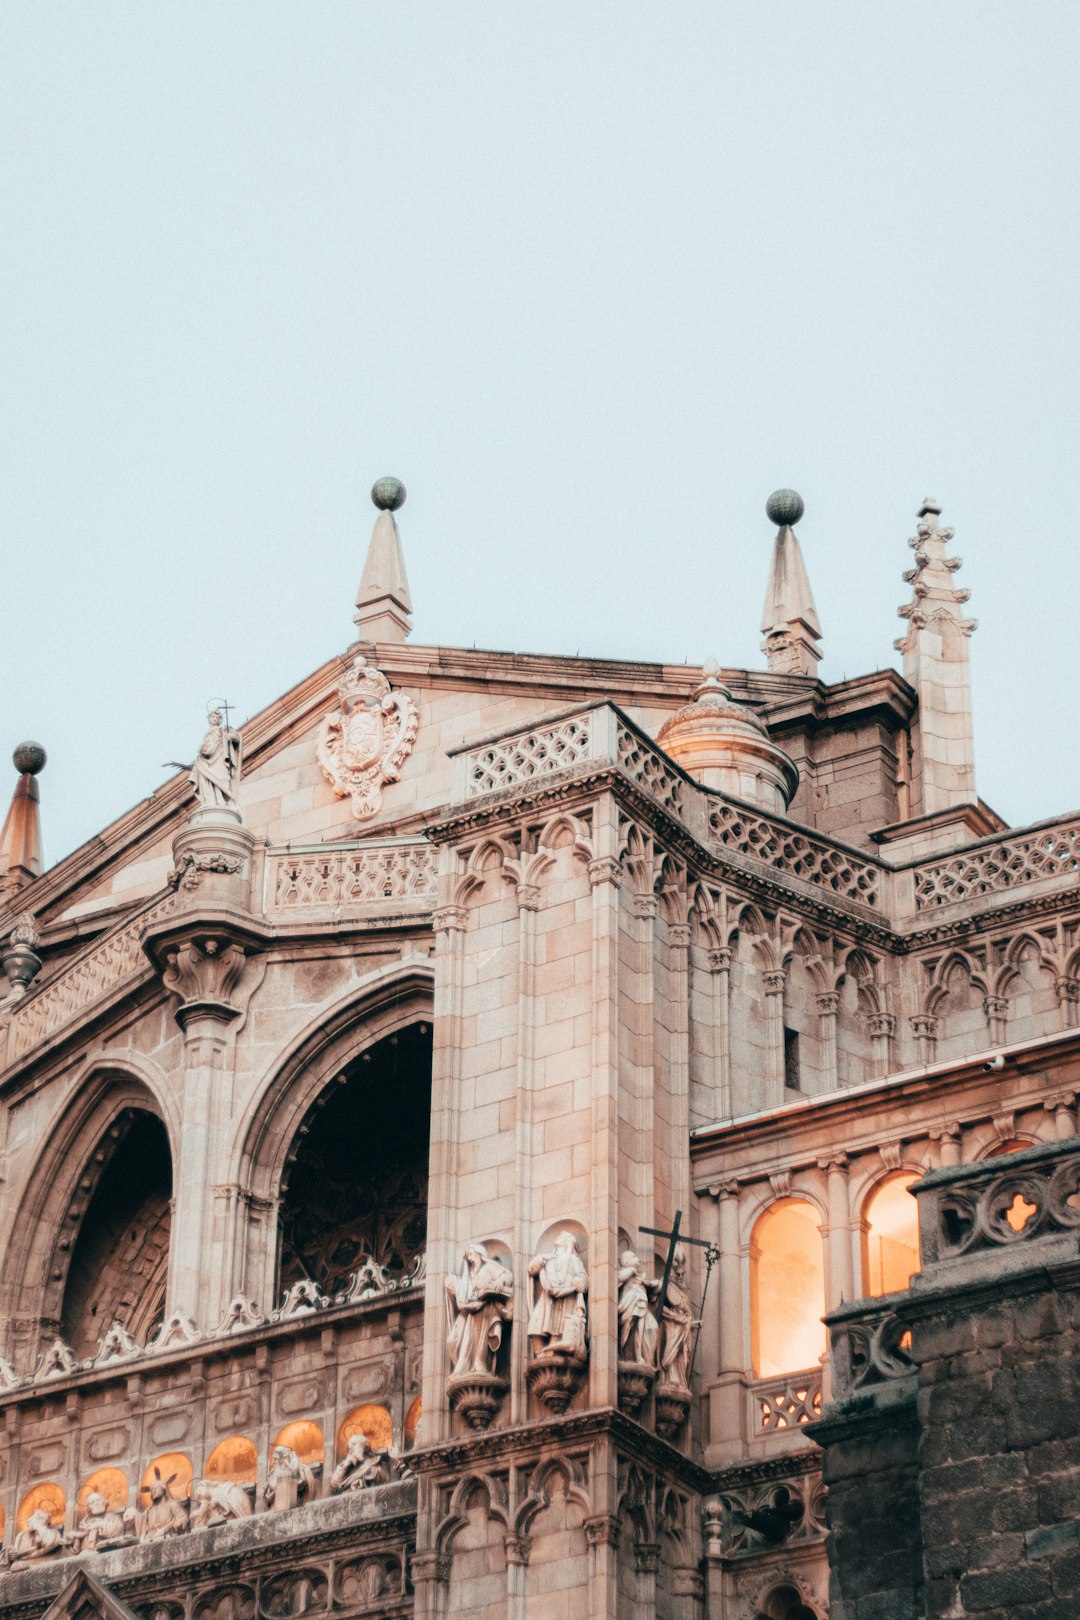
(86, 1598)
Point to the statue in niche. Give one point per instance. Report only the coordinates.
(100, 1527)
(288, 1480)
(217, 1501)
(638, 1332)
(678, 1322)
(478, 1303)
(40, 1539)
(166, 1516)
(360, 1466)
(557, 1323)
(215, 775)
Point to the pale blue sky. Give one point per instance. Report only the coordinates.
(592, 279)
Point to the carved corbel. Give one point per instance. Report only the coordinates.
(209, 974)
(602, 1530)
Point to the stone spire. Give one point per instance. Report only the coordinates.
(937, 664)
(20, 840)
(383, 605)
(789, 620)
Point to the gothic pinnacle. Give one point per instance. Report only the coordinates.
(383, 605)
(789, 620)
(20, 839)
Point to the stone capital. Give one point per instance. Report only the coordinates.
(602, 1530)
(449, 919)
(828, 1003)
(679, 935)
(528, 896)
(646, 906)
(604, 869)
(774, 980)
(429, 1566)
(516, 1549)
(719, 960)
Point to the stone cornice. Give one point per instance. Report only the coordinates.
(576, 1428)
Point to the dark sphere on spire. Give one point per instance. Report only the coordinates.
(388, 494)
(784, 507)
(29, 758)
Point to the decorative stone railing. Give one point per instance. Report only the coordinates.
(367, 876)
(526, 757)
(786, 1402)
(794, 853)
(1000, 1203)
(114, 963)
(869, 1346)
(994, 865)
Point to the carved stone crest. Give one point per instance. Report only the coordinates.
(364, 744)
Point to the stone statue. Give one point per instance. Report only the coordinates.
(288, 1480)
(40, 1539)
(360, 1466)
(165, 1516)
(100, 1527)
(678, 1322)
(215, 775)
(216, 1501)
(557, 1321)
(638, 1332)
(478, 1303)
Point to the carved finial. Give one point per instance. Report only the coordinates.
(789, 620)
(20, 840)
(383, 604)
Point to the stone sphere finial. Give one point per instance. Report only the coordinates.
(388, 494)
(784, 507)
(29, 758)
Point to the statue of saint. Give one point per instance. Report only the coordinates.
(215, 775)
(679, 1323)
(165, 1516)
(288, 1480)
(100, 1526)
(557, 1320)
(638, 1332)
(40, 1539)
(478, 1303)
(217, 1501)
(360, 1466)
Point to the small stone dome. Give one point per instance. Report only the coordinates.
(723, 745)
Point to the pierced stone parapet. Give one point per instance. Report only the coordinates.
(796, 854)
(869, 1346)
(366, 878)
(998, 864)
(1000, 1203)
(788, 1402)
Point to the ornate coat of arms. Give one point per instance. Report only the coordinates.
(365, 743)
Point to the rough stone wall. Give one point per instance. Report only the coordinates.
(872, 1511)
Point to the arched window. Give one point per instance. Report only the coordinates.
(305, 1438)
(111, 1483)
(119, 1261)
(787, 1289)
(892, 1235)
(374, 1421)
(356, 1182)
(412, 1423)
(173, 1468)
(784, 1603)
(49, 1497)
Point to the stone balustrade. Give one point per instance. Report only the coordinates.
(999, 1204)
(377, 874)
(869, 1346)
(784, 1403)
(1014, 858)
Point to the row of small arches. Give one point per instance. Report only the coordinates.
(235, 1458)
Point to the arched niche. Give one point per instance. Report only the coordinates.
(85, 1226)
(412, 1423)
(804, 1067)
(111, 1483)
(49, 1496)
(305, 1438)
(891, 1238)
(355, 1180)
(233, 1458)
(961, 1013)
(787, 1289)
(373, 1421)
(784, 1602)
(1031, 993)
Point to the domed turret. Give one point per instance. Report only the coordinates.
(724, 745)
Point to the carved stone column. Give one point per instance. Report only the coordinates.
(516, 1550)
(948, 1144)
(1062, 1109)
(882, 1026)
(841, 1283)
(678, 968)
(996, 1009)
(828, 1005)
(645, 909)
(528, 899)
(449, 922)
(1068, 995)
(604, 881)
(720, 969)
(726, 1391)
(773, 982)
(924, 1027)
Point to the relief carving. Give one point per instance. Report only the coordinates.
(364, 744)
(217, 1501)
(288, 1481)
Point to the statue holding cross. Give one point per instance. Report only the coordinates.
(215, 775)
(673, 1308)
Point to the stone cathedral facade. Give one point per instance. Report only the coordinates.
(352, 1084)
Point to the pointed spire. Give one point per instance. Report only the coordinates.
(789, 620)
(936, 662)
(20, 840)
(383, 605)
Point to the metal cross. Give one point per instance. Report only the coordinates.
(676, 1238)
(226, 707)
